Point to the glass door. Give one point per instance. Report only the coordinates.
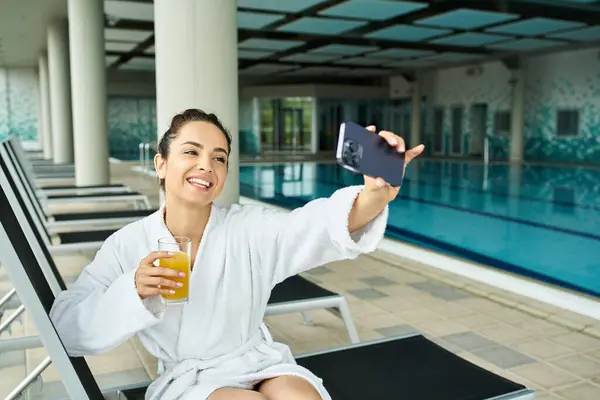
(291, 132)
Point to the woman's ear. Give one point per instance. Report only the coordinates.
(159, 166)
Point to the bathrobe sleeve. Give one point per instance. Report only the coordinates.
(313, 235)
(102, 309)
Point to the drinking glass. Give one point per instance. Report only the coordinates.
(180, 261)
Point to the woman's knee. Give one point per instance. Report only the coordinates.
(236, 394)
(289, 388)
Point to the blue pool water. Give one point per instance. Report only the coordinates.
(541, 222)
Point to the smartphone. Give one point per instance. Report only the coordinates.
(367, 153)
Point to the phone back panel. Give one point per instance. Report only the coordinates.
(366, 152)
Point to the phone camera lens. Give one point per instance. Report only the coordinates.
(347, 157)
(355, 160)
(351, 145)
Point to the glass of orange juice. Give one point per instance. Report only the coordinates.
(180, 261)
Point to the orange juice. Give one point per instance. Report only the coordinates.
(178, 262)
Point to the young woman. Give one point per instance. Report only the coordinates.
(216, 346)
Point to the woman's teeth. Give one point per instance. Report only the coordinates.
(199, 182)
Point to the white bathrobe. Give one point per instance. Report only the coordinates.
(218, 339)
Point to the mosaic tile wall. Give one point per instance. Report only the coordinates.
(131, 121)
(569, 80)
(549, 89)
(19, 97)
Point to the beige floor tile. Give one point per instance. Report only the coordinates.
(542, 395)
(416, 315)
(577, 341)
(580, 391)
(376, 321)
(542, 349)
(402, 291)
(547, 308)
(481, 305)
(451, 310)
(441, 327)
(476, 320)
(532, 310)
(510, 316)
(540, 327)
(579, 365)
(362, 307)
(544, 375)
(582, 319)
(392, 304)
(504, 334)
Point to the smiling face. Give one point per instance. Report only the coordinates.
(195, 169)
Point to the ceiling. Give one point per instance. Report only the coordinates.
(23, 29)
(370, 38)
(299, 39)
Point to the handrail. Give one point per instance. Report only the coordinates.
(486, 149)
(12, 318)
(29, 379)
(7, 296)
(144, 154)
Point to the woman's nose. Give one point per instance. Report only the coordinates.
(204, 164)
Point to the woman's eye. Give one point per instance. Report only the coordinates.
(192, 152)
(220, 159)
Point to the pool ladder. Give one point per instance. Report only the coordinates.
(144, 155)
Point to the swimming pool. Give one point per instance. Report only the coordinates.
(539, 221)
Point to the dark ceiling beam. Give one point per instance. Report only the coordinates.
(278, 62)
(511, 63)
(285, 14)
(130, 24)
(312, 79)
(140, 48)
(589, 14)
(112, 53)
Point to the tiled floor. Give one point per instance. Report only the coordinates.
(548, 349)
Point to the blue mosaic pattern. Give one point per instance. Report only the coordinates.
(541, 143)
(553, 82)
(4, 129)
(130, 122)
(19, 104)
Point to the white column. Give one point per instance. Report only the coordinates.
(196, 70)
(44, 124)
(60, 92)
(88, 88)
(415, 115)
(517, 127)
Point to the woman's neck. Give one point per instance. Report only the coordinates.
(183, 220)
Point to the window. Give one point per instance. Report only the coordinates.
(502, 123)
(567, 123)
